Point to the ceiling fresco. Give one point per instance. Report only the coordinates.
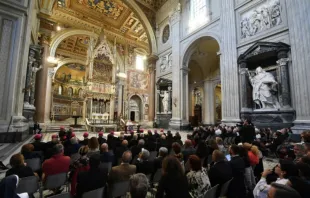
(77, 44)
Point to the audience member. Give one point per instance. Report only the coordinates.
(120, 150)
(27, 152)
(283, 170)
(38, 145)
(247, 132)
(106, 156)
(299, 151)
(8, 187)
(18, 167)
(93, 146)
(198, 179)
(123, 171)
(178, 138)
(163, 152)
(138, 185)
(300, 185)
(135, 150)
(202, 153)
(237, 187)
(62, 132)
(101, 140)
(253, 153)
(143, 164)
(81, 164)
(220, 172)
(93, 179)
(58, 163)
(85, 141)
(133, 141)
(173, 182)
(176, 147)
(73, 147)
(282, 191)
(220, 145)
(249, 173)
(188, 150)
(50, 145)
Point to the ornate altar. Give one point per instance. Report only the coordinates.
(164, 102)
(264, 85)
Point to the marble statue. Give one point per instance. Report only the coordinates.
(163, 64)
(165, 100)
(264, 84)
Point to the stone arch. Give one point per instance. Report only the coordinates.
(141, 106)
(146, 24)
(190, 48)
(66, 61)
(60, 36)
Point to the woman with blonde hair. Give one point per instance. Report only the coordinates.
(253, 153)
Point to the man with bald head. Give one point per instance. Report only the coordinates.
(106, 156)
(123, 171)
(120, 150)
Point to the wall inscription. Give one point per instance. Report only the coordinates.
(261, 18)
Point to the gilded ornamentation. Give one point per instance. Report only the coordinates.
(108, 7)
(102, 72)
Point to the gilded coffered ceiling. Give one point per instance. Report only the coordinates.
(111, 16)
(77, 44)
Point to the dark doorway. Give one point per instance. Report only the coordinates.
(132, 116)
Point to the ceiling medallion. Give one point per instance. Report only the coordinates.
(108, 7)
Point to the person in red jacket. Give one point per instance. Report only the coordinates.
(58, 163)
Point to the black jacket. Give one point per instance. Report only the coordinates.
(247, 133)
(220, 173)
(145, 167)
(91, 180)
(171, 186)
(237, 186)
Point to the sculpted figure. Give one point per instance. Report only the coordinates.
(165, 100)
(264, 84)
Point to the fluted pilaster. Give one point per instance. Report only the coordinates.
(299, 28)
(229, 66)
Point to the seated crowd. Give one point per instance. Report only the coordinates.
(205, 160)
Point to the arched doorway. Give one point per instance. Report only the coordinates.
(204, 88)
(135, 108)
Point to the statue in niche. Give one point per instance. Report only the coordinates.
(163, 64)
(264, 86)
(165, 100)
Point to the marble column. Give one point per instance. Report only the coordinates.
(284, 92)
(244, 81)
(112, 99)
(43, 85)
(176, 120)
(184, 97)
(209, 102)
(299, 28)
(152, 85)
(229, 66)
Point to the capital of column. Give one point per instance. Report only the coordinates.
(283, 61)
(175, 17)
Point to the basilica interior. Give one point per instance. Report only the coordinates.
(155, 72)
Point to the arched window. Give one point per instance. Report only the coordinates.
(70, 91)
(198, 13)
(60, 90)
(140, 62)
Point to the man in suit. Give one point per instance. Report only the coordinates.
(163, 152)
(123, 171)
(120, 150)
(237, 187)
(137, 149)
(106, 156)
(143, 164)
(93, 179)
(101, 140)
(220, 172)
